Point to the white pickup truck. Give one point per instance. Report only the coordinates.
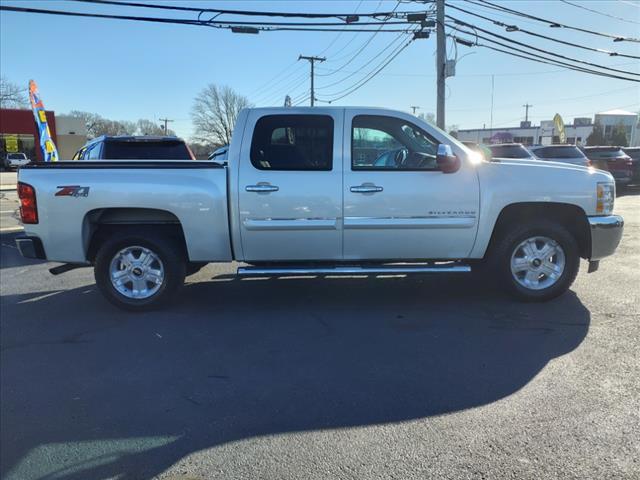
(320, 191)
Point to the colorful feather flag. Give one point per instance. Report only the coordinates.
(49, 150)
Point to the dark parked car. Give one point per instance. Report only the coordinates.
(510, 150)
(134, 148)
(613, 160)
(634, 153)
(561, 153)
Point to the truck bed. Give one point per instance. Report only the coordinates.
(76, 196)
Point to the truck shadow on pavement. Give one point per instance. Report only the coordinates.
(92, 392)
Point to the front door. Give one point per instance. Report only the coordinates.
(397, 203)
(290, 186)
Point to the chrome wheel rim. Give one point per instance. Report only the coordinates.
(136, 272)
(537, 263)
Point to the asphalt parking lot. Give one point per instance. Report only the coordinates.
(423, 377)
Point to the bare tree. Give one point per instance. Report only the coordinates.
(92, 121)
(147, 127)
(214, 114)
(11, 95)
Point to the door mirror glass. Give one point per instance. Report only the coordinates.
(446, 160)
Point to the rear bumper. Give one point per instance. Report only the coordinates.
(606, 233)
(30, 247)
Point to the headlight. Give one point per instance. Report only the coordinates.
(605, 197)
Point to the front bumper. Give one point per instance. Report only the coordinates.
(30, 247)
(606, 233)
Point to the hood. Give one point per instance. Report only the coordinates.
(547, 169)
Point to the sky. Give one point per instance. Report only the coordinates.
(128, 70)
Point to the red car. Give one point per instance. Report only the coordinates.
(613, 160)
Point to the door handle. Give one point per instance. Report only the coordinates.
(366, 189)
(261, 188)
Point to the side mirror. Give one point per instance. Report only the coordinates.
(446, 160)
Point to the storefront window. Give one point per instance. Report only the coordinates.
(17, 143)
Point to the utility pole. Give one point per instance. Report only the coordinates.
(526, 111)
(492, 88)
(165, 120)
(311, 61)
(440, 61)
(414, 108)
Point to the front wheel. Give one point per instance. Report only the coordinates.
(537, 262)
(137, 270)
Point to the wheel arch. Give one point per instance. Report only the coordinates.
(568, 215)
(99, 223)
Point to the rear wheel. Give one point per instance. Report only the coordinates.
(138, 270)
(536, 262)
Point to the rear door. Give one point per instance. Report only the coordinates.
(397, 204)
(290, 186)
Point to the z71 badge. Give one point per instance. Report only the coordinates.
(72, 191)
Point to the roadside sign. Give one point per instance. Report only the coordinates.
(559, 126)
(11, 143)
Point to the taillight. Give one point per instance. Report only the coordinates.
(28, 206)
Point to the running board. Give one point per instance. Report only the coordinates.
(353, 270)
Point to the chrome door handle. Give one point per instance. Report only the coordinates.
(366, 189)
(261, 188)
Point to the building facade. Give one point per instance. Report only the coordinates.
(545, 134)
(19, 133)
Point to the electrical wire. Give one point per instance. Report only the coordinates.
(366, 43)
(373, 75)
(244, 12)
(335, 39)
(598, 12)
(546, 37)
(547, 52)
(617, 38)
(389, 45)
(534, 57)
(271, 26)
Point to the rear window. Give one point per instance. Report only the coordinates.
(509, 151)
(159, 150)
(604, 153)
(559, 152)
(633, 153)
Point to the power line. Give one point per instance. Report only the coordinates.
(350, 17)
(366, 80)
(505, 74)
(599, 12)
(532, 56)
(237, 27)
(389, 45)
(547, 52)
(617, 38)
(385, 59)
(339, 34)
(515, 28)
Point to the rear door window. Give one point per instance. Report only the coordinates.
(293, 142)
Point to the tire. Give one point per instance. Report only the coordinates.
(163, 254)
(514, 267)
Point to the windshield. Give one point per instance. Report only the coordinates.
(559, 152)
(509, 151)
(17, 156)
(146, 150)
